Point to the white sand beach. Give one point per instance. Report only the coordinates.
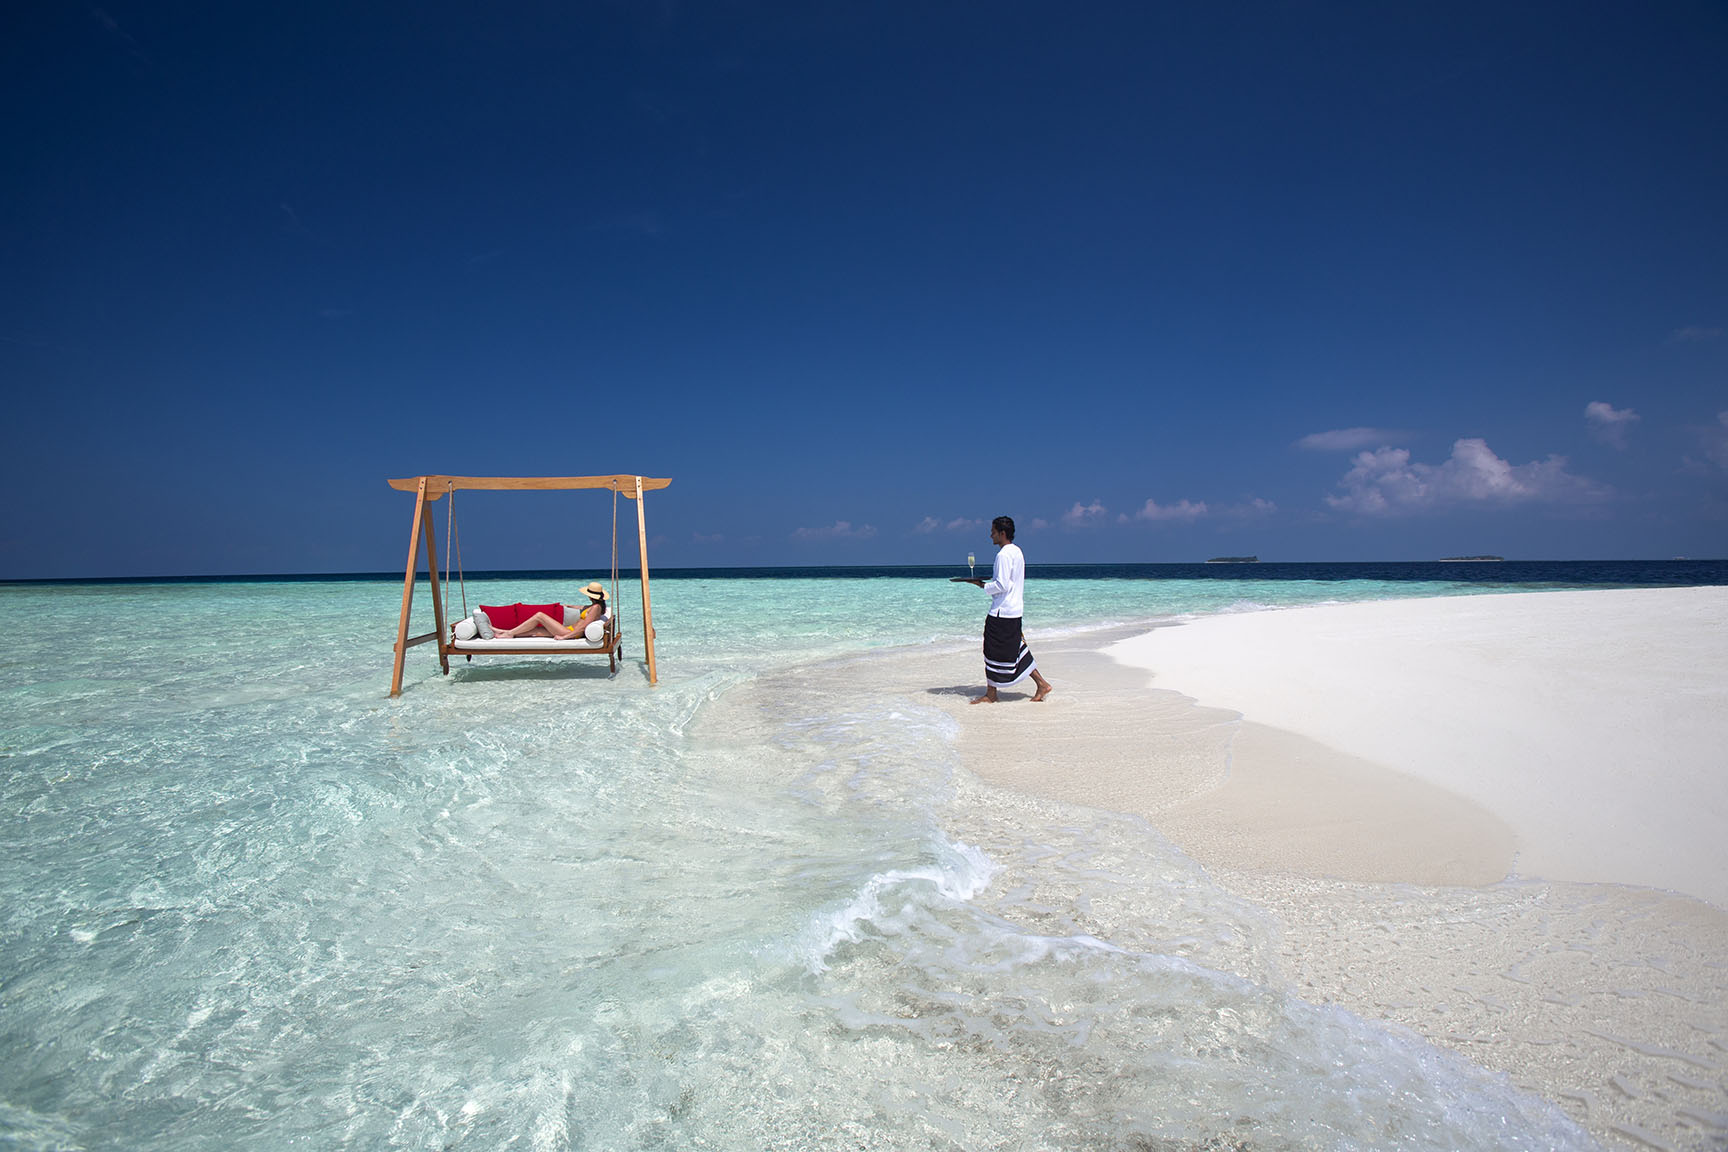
(1593, 724)
(1497, 820)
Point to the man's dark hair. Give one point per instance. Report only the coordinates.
(1004, 525)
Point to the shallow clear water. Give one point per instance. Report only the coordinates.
(248, 900)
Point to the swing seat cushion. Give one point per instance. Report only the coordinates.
(504, 615)
(468, 637)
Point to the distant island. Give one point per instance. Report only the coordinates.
(1234, 560)
(1467, 559)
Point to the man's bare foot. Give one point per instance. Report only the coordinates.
(989, 697)
(1043, 691)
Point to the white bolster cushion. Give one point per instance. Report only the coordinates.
(596, 630)
(466, 629)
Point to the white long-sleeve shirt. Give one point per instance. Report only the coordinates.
(1007, 583)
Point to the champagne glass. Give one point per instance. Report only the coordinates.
(971, 564)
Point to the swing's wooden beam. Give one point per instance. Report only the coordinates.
(436, 486)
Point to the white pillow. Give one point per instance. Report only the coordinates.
(596, 630)
(466, 629)
(573, 613)
(482, 624)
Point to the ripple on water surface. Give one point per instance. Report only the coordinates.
(250, 902)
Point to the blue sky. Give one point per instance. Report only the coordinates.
(1163, 282)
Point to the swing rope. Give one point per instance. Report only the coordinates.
(617, 617)
(454, 545)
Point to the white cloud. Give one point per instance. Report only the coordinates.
(1694, 334)
(1039, 524)
(839, 530)
(1386, 482)
(958, 524)
(1082, 514)
(1608, 423)
(701, 538)
(1251, 508)
(1181, 510)
(1348, 439)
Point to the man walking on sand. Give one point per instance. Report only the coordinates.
(1007, 660)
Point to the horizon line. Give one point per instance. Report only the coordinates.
(672, 571)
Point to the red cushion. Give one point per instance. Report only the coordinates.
(505, 616)
(556, 611)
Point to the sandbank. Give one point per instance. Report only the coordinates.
(1593, 724)
(1496, 820)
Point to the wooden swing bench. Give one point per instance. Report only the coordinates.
(429, 489)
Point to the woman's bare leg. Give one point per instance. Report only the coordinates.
(539, 624)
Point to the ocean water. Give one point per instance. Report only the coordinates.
(248, 901)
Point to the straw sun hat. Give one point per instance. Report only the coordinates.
(595, 591)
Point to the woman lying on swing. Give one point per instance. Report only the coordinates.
(541, 624)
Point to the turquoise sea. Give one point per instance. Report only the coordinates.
(248, 901)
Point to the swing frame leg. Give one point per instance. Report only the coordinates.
(420, 530)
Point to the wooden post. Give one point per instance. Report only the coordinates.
(437, 594)
(647, 612)
(408, 587)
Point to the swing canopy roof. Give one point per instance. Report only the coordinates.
(436, 486)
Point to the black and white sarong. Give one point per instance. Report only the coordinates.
(1007, 660)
